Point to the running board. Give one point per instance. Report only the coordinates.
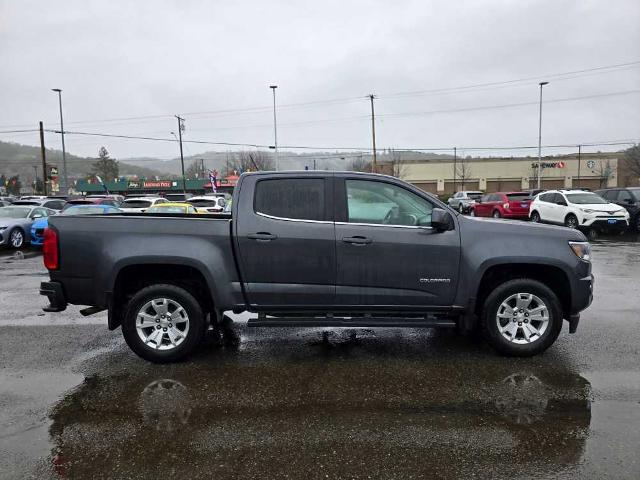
(425, 322)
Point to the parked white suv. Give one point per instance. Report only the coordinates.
(578, 209)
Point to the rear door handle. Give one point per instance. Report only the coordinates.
(357, 240)
(262, 236)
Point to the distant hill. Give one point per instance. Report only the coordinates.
(17, 159)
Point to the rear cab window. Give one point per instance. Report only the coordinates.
(291, 198)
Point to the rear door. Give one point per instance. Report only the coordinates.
(286, 241)
(387, 254)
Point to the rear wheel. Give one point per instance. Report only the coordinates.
(535, 217)
(496, 214)
(163, 323)
(461, 207)
(521, 318)
(571, 221)
(16, 238)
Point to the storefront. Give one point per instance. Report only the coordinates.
(140, 187)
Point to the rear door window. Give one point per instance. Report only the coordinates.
(547, 197)
(291, 198)
(624, 196)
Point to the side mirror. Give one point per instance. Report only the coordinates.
(441, 220)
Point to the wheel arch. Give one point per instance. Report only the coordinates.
(552, 276)
(132, 277)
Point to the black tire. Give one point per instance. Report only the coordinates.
(489, 324)
(637, 223)
(496, 214)
(197, 323)
(16, 231)
(535, 217)
(461, 208)
(571, 221)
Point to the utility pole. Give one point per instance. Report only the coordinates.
(455, 167)
(374, 165)
(44, 160)
(542, 84)
(275, 127)
(35, 180)
(64, 187)
(579, 163)
(180, 129)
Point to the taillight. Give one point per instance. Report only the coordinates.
(50, 249)
(505, 205)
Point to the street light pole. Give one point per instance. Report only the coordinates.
(275, 126)
(374, 165)
(64, 187)
(180, 128)
(542, 84)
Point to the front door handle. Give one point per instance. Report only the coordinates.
(262, 236)
(357, 240)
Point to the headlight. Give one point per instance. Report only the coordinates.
(582, 250)
(587, 210)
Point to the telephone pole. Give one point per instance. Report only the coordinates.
(542, 84)
(455, 161)
(275, 127)
(180, 129)
(64, 186)
(374, 165)
(44, 160)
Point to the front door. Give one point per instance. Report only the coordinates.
(386, 251)
(286, 240)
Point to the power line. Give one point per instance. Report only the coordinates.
(574, 74)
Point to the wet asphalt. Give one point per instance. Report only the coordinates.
(320, 403)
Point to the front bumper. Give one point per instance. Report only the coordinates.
(55, 293)
(607, 223)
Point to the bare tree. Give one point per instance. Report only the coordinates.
(361, 164)
(632, 159)
(604, 170)
(252, 161)
(398, 164)
(193, 170)
(463, 171)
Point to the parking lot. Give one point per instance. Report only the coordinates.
(278, 403)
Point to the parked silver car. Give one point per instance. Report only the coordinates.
(462, 201)
(15, 223)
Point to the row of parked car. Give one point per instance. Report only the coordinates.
(611, 209)
(23, 220)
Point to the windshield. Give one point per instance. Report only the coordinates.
(14, 212)
(84, 210)
(515, 197)
(136, 204)
(167, 209)
(585, 198)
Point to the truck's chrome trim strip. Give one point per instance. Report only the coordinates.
(382, 225)
(272, 217)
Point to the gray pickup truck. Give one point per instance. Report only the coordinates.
(321, 249)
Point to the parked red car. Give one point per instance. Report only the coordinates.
(503, 204)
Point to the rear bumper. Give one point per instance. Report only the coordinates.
(508, 214)
(54, 292)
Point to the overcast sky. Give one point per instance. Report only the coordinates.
(117, 59)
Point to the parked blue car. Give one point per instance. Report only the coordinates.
(37, 229)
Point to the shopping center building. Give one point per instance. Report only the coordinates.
(592, 171)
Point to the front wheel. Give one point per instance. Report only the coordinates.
(16, 238)
(571, 221)
(163, 323)
(521, 318)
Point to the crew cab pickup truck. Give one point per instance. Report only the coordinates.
(321, 249)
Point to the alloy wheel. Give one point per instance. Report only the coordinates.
(522, 318)
(571, 222)
(162, 324)
(16, 239)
